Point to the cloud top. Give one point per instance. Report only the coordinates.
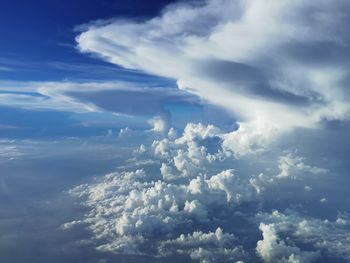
(281, 62)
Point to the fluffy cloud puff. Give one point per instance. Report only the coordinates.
(272, 249)
(274, 64)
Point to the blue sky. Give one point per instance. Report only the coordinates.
(158, 131)
(40, 31)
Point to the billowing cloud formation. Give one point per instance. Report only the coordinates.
(330, 236)
(272, 249)
(131, 211)
(183, 202)
(273, 63)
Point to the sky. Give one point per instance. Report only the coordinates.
(158, 131)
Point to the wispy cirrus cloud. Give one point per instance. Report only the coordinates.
(118, 97)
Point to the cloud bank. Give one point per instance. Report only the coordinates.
(201, 200)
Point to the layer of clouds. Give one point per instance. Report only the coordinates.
(278, 64)
(117, 97)
(182, 203)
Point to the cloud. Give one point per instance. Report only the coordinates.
(159, 124)
(132, 208)
(133, 104)
(330, 237)
(118, 97)
(291, 168)
(43, 96)
(2, 68)
(132, 100)
(252, 137)
(205, 247)
(290, 165)
(273, 66)
(170, 211)
(10, 150)
(266, 62)
(178, 193)
(272, 249)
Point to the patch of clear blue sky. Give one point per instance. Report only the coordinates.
(37, 38)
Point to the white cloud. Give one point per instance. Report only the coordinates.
(194, 131)
(205, 247)
(292, 166)
(331, 237)
(265, 61)
(138, 207)
(142, 149)
(236, 191)
(186, 153)
(132, 208)
(249, 138)
(191, 188)
(159, 124)
(272, 249)
(167, 172)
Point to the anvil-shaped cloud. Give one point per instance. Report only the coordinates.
(282, 63)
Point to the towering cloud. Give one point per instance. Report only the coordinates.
(278, 64)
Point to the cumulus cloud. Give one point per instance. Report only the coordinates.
(159, 124)
(267, 62)
(330, 237)
(188, 153)
(179, 203)
(172, 210)
(130, 209)
(250, 138)
(207, 247)
(272, 249)
(290, 165)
